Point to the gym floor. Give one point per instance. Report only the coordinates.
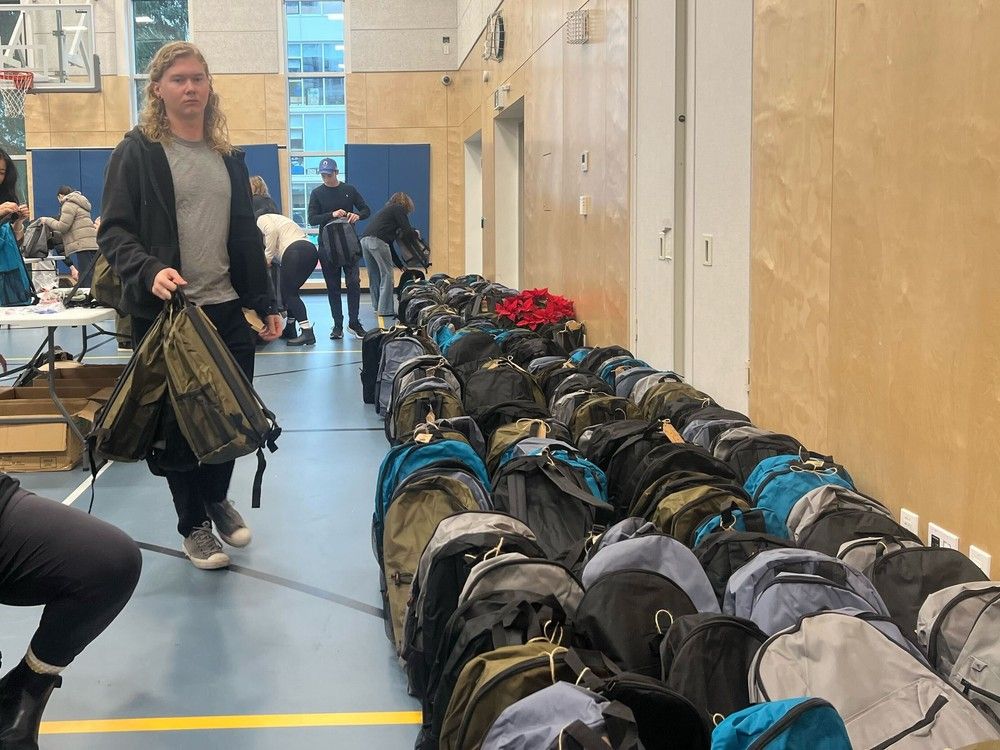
(286, 649)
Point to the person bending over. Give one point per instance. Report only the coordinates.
(79, 234)
(177, 214)
(376, 247)
(286, 243)
(81, 569)
(338, 200)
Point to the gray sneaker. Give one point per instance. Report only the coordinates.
(229, 523)
(204, 550)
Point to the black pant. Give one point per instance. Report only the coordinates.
(80, 568)
(297, 262)
(193, 485)
(331, 274)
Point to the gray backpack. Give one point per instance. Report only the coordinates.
(959, 627)
(861, 553)
(395, 352)
(563, 716)
(658, 553)
(779, 586)
(516, 572)
(703, 432)
(888, 698)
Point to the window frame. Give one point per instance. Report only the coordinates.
(133, 76)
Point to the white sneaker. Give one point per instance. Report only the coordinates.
(229, 523)
(204, 550)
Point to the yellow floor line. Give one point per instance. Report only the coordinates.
(200, 723)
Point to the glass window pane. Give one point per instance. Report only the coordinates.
(312, 58)
(309, 8)
(292, 7)
(336, 132)
(155, 22)
(295, 91)
(12, 139)
(333, 57)
(314, 133)
(334, 88)
(140, 93)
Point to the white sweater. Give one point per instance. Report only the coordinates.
(279, 232)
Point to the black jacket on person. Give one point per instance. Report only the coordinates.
(264, 204)
(139, 235)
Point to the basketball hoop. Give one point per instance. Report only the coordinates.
(14, 86)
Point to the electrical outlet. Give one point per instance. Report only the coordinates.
(909, 521)
(981, 558)
(939, 537)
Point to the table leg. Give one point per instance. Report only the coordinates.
(50, 341)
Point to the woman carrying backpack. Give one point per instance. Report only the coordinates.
(380, 233)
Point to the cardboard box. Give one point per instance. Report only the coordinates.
(40, 392)
(81, 375)
(42, 447)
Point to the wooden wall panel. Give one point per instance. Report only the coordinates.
(916, 204)
(357, 102)
(874, 246)
(790, 219)
(400, 100)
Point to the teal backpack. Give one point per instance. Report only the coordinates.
(792, 724)
(15, 284)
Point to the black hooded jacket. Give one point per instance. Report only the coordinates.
(139, 235)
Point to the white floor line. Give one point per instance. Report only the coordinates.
(299, 352)
(85, 485)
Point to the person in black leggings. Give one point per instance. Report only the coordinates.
(81, 569)
(285, 243)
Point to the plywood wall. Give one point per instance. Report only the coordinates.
(575, 99)
(875, 214)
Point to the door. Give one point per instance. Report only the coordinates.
(509, 160)
(658, 181)
(474, 204)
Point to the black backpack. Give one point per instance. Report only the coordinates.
(597, 357)
(485, 623)
(500, 381)
(848, 522)
(441, 587)
(665, 718)
(525, 350)
(744, 455)
(601, 442)
(508, 412)
(624, 613)
(704, 658)
(472, 350)
(371, 355)
(905, 577)
(559, 385)
(664, 459)
(552, 496)
(723, 553)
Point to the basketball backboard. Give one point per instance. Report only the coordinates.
(55, 42)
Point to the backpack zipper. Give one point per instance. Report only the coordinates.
(932, 712)
(785, 721)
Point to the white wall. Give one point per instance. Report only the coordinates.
(718, 314)
(391, 35)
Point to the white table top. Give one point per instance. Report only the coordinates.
(75, 316)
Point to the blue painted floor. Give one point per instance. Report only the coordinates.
(293, 630)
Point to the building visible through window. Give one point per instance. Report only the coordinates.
(317, 111)
(153, 24)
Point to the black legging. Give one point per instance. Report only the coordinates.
(297, 263)
(82, 569)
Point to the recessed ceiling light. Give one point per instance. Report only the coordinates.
(143, 19)
(339, 47)
(335, 16)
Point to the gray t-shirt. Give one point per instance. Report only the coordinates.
(203, 194)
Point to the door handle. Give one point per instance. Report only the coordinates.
(666, 247)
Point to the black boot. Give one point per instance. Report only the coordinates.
(306, 338)
(289, 332)
(23, 695)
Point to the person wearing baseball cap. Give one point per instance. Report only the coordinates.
(338, 200)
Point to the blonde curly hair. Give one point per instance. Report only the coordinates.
(153, 119)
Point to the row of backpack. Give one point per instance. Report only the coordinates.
(579, 548)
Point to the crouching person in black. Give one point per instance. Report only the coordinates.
(81, 569)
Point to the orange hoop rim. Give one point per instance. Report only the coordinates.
(21, 79)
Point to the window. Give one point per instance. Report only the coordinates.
(154, 23)
(317, 112)
(12, 128)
